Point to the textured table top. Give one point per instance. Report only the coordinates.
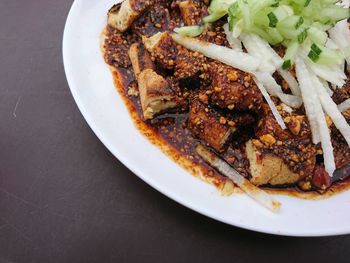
(65, 198)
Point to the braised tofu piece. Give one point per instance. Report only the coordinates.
(343, 93)
(192, 11)
(116, 46)
(162, 48)
(340, 146)
(156, 94)
(121, 16)
(140, 58)
(205, 124)
(268, 168)
(189, 66)
(233, 88)
(155, 19)
(281, 157)
(211, 126)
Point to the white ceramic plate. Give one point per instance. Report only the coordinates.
(92, 87)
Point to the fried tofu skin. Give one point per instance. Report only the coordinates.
(155, 93)
(205, 124)
(212, 127)
(233, 88)
(140, 59)
(281, 157)
(162, 48)
(191, 12)
(121, 16)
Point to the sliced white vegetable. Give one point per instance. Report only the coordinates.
(332, 74)
(291, 81)
(309, 86)
(269, 101)
(340, 34)
(231, 57)
(274, 89)
(254, 50)
(345, 105)
(251, 190)
(332, 110)
(267, 50)
(309, 97)
(326, 87)
(286, 108)
(235, 43)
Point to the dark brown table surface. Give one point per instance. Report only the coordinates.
(65, 198)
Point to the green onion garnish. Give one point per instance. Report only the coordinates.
(316, 49)
(299, 23)
(307, 2)
(273, 19)
(287, 64)
(302, 36)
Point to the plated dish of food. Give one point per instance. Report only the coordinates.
(250, 96)
(263, 84)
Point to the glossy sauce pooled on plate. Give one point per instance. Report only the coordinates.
(179, 98)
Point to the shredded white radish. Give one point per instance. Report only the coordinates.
(309, 97)
(274, 89)
(332, 110)
(291, 81)
(325, 85)
(344, 106)
(231, 57)
(334, 74)
(286, 108)
(251, 190)
(253, 49)
(235, 43)
(326, 144)
(340, 34)
(309, 86)
(269, 101)
(267, 50)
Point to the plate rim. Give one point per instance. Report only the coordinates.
(153, 183)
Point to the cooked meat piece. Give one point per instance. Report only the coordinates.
(155, 93)
(233, 88)
(155, 19)
(211, 126)
(192, 11)
(279, 156)
(163, 49)
(121, 16)
(140, 58)
(188, 67)
(343, 93)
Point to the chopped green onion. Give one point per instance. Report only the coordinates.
(287, 64)
(316, 49)
(273, 19)
(307, 2)
(189, 31)
(313, 56)
(299, 23)
(212, 17)
(302, 36)
(317, 35)
(291, 52)
(233, 9)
